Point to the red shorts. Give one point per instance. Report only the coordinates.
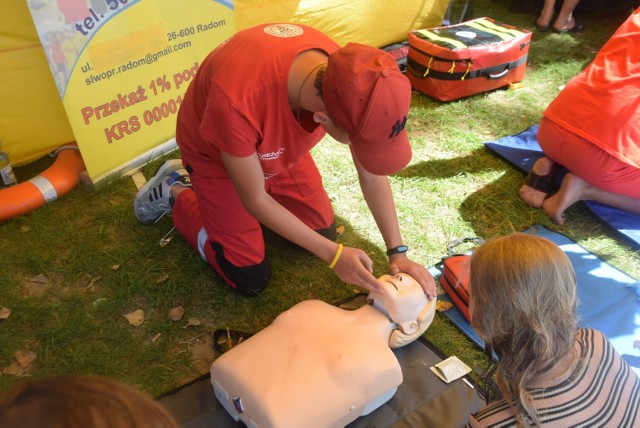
(212, 215)
(588, 161)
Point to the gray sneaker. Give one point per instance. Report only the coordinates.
(153, 201)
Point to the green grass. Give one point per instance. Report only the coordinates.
(99, 263)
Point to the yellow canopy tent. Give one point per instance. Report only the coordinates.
(371, 22)
(32, 118)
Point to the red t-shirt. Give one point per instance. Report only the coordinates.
(238, 102)
(602, 103)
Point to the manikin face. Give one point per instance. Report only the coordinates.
(403, 300)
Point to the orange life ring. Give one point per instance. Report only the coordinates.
(53, 182)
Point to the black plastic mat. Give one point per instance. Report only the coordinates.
(421, 400)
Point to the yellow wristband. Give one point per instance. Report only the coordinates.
(336, 257)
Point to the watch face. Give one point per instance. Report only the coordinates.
(397, 250)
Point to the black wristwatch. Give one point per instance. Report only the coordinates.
(397, 250)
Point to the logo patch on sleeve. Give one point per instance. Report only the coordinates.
(283, 30)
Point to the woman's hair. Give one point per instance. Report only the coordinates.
(524, 307)
(77, 401)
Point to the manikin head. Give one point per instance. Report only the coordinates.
(405, 304)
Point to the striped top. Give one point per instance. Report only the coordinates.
(598, 389)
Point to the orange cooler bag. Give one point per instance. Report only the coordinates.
(456, 61)
(456, 272)
(455, 281)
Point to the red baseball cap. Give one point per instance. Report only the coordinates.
(367, 96)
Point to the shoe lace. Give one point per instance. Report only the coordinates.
(164, 213)
(166, 210)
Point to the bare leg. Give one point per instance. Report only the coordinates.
(531, 196)
(544, 20)
(574, 189)
(565, 19)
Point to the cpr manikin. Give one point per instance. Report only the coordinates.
(318, 365)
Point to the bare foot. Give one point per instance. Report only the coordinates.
(570, 26)
(542, 23)
(571, 191)
(544, 20)
(564, 24)
(531, 196)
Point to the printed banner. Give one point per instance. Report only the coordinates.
(122, 67)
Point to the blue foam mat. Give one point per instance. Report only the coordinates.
(522, 151)
(608, 298)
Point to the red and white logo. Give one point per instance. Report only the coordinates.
(283, 30)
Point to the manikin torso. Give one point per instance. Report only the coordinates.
(316, 364)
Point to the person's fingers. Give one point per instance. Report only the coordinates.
(394, 269)
(371, 283)
(366, 262)
(420, 273)
(356, 267)
(429, 286)
(426, 281)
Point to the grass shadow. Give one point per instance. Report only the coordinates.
(472, 163)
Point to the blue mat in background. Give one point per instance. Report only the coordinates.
(608, 298)
(522, 151)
